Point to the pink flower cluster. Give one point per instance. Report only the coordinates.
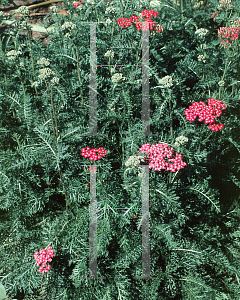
(226, 3)
(134, 19)
(206, 112)
(158, 153)
(94, 154)
(43, 257)
(77, 3)
(224, 32)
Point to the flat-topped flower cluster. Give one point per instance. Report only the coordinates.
(157, 155)
(147, 24)
(43, 257)
(206, 112)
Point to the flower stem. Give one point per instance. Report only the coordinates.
(55, 131)
(30, 47)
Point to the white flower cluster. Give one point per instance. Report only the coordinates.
(134, 160)
(1, 13)
(221, 83)
(117, 77)
(13, 54)
(201, 32)
(155, 3)
(69, 25)
(45, 73)
(166, 81)
(181, 140)
(22, 10)
(90, 1)
(43, 61)
(109, 53)
(24, 24)
(35, 84)
(108, 21)
(55, 80)
(201, 58)
(21, 64)
(110, 9)
(203, 46)
(54, 9)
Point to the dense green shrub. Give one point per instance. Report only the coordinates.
(44, 179)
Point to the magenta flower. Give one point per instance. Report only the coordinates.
(161, 156)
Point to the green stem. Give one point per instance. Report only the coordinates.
(30, 47)
(4, 65)
(171, 115)
(22, 83)
(54, 114)
(122, 143)
(55, 131)
(122, 8)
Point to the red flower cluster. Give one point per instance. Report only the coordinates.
(147, 24)
(43, 257)
(157, 154)
(206, 112)
(94, 154)
(224, 32)
(77, 3)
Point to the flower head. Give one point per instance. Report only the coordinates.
(161, 156)
(202, 32)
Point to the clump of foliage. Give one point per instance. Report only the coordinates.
(45, 183)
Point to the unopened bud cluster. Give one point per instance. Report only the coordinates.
(43, 61)
(181, 140)
(221, 83)
(54, 9)
(134, 160)
(166, 81)
(45, 73)
(201, 58)
(118, 77)
(43, 257)
(22, 10)
(69, 25)
(110, 9)
(202, 32)
(13, 54)
(109, 53)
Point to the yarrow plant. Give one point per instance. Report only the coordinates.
(158, 153)
(43, 191)
(43, 257)
(206, 112)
